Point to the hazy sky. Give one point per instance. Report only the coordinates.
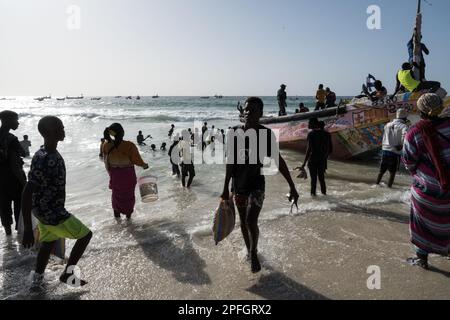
(204, 47)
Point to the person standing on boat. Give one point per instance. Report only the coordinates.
(393, 139)
(330, 100)
(423, 50)
(321, 96)
(317, 153)
(282, 98)
(405, 78)
(426, 156)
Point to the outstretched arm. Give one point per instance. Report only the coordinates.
(397, 87)
(308, 155)
(284, 170)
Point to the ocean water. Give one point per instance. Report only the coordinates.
(170, 241)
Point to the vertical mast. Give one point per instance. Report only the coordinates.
(418, 40)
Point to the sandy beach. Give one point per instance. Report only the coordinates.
(321, 253)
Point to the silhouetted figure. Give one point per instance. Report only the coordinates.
(282, 98)
(12, 176)
(26, 144)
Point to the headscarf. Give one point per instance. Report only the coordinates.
(432, 105)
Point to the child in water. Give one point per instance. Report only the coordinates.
(45, 195)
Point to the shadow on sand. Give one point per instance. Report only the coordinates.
(277, 286)
(168, 245)
(347, 207)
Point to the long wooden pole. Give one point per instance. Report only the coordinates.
(418, 40)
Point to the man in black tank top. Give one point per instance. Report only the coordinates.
(245, 152)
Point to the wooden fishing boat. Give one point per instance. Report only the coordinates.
(356, 128)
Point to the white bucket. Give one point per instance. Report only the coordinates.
(148, 186)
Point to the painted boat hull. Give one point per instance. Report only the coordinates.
(356, 131)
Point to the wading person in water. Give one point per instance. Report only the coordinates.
(12, 176)
(393, 138)
(45, 195)
(248, 183)
(187, 165)
(120, 157)
(317, 152)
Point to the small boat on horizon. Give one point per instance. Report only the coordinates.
(96, 99)
(138, 98)
(218, 96)
(60, 99)
(155, 97)
(75, 98)
(204, 97)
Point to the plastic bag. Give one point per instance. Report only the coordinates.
(224, 220)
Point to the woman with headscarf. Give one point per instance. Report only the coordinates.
(120, 157)
(426, 155)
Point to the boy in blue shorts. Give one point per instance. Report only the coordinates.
(45, 196)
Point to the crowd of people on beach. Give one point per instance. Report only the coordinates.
(424, 148)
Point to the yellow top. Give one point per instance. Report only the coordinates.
(125, 155)
(321, 95)
(406, 79)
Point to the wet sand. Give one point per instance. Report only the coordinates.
(328, 260)
(322, 252)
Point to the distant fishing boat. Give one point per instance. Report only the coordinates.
(117, 97)
(43, 98)
(204, 97)
(129, 98)
(138, 98)
(218, 96)
(96, 99)
(155, 97)
(75, 98)
(60, 99)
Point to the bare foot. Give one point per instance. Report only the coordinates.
(256, 266)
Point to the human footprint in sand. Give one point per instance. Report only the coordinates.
(45, 195)
(248, 184)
